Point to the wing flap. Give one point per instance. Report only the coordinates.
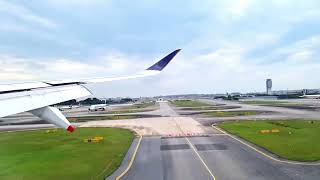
(22, 86)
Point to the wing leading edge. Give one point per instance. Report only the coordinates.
(36, 97)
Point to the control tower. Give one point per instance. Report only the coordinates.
(269, 86)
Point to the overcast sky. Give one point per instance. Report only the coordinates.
(227, 45)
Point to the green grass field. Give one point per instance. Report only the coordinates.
(201, 108)
(140, 107)
(230, 113)
(144, 105)
(266, 102)
(60, 155)
(96, 118)
(298, 139)
(123, 111)
(188, 103)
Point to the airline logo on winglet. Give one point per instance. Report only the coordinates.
(164, 61)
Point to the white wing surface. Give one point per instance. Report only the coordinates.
(38, 96)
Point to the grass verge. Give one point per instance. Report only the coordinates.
(230, 113)
(141, 107)
(60, 155)
(201, 108)
(297, 139)
(144, 105)
(129, 111)
(112, 117)
(188, 103)
(266, 102)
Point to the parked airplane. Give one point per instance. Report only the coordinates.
(310, 96)
(37, 97)
(62, 108)
(97, 107)
(103, 107)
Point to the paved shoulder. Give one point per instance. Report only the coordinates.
(125, 161)
(148, 163)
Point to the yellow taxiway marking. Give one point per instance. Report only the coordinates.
(131, 161)
(264, 154)
(194, 149)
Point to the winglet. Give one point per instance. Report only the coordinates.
(164, 61)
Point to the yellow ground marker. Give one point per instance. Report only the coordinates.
(264, 154)
(131, 161)
(275, 130)
(264, 131)
(194, 149)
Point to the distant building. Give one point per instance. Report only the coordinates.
(269, 86)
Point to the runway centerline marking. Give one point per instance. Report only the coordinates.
(194, 149)
(205, 165)
(264, 154)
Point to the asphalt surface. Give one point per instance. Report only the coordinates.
(152, 163)
(268, 112)
(217, 156)
(278, 112)
(173, 158)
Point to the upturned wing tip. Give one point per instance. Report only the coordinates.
(160, 65)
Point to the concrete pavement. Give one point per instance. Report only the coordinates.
(173, 158)
(217, 156)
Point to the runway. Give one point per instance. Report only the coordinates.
(217, 156)
(205, 153)
(278, 112)
(174, 158)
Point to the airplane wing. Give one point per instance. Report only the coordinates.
(37, 97)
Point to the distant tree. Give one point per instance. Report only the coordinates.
(67, 103)
(231, 98)
(90, 101)
(126, 100)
